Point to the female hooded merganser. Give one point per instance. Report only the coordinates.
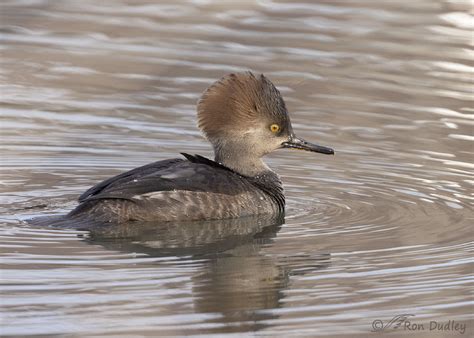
(244, 117)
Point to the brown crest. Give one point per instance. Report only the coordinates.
(239, 101)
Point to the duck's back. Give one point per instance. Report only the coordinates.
(194, 188)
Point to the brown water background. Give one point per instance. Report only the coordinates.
(92, 88)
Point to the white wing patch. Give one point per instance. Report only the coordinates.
(157, 195)
(180, 173)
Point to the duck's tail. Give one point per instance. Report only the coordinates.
(64, 222)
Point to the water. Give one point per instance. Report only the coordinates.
(90, 89)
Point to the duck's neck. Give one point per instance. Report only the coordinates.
(243, 160)
(240, 159)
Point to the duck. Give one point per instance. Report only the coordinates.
(244, 117)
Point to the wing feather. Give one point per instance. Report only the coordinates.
(128, 176)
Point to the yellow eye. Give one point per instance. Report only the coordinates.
(275, 128)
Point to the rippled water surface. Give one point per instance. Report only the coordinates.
(92, 88)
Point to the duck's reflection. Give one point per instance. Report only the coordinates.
(195, 238)
(237, 279)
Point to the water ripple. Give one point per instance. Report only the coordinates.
(92, 89)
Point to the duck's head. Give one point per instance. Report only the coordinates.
(244, 117)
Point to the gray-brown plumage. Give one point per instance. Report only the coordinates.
(244, 117)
